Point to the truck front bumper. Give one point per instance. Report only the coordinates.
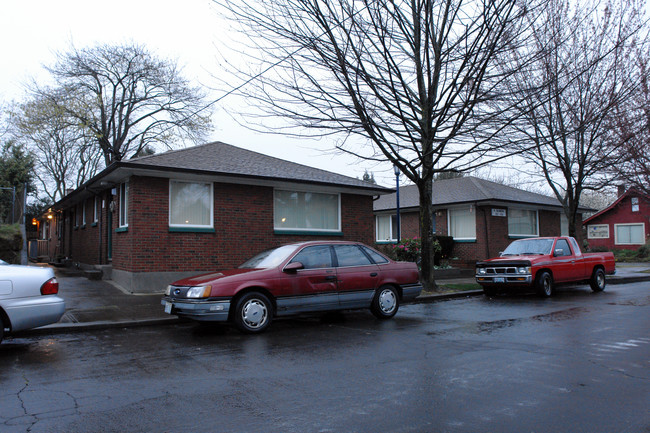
(521, 280)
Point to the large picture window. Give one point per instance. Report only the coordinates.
(386, 228)
(462, 224)
(190, 204)
(522, 222)
(630, 234)
(306, 211)
(124, 204)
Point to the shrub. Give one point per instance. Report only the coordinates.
(644, 251)
(409, 250)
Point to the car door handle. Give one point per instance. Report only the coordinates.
(330, 278)
(374, 274)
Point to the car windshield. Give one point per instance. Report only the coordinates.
(269, 258)
(529, 247)
(2, 262)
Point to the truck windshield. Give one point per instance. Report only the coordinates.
(529, 246)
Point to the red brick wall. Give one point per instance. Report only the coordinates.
(243, 222)
(622, 213)
(491, 232)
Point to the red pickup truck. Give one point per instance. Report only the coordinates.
(541, 263)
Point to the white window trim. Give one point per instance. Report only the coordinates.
(616, 242)
(596, 237)
(196, 226)
(123, 201)
(308, 230)
(390, 228)
(472, 210)
(528, 235)
(83, 212)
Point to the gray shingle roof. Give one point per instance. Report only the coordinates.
(222, 158)
(464, 190)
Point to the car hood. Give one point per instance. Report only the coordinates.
(204, 279)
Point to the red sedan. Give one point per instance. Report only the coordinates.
(296, 278)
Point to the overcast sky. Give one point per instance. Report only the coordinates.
(188, 31)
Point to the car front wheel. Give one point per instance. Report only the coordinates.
(385, 303)
(545, 284)
(253, 313)
(2, 329)
(597, 281)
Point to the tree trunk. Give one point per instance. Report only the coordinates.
(425, 188)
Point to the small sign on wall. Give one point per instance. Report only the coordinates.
(498, 212)
(598, 231)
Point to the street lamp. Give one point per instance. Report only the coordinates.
(399, 229)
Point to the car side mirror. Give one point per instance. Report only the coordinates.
(293, 267)
(558, 252)
(500, 253)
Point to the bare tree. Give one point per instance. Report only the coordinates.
(631, 128)
(126, 99)
(578, 77)
(65, 156)
(406, 78)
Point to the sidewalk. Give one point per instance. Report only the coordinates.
(94, 304)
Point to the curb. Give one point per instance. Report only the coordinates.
(60, 328)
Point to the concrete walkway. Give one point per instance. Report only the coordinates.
(92, 304)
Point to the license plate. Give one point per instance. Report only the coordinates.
(499, 280)
(168, 307)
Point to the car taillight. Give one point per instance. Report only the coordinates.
(51, 287)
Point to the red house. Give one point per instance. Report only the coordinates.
(625, 224)
(151, 220)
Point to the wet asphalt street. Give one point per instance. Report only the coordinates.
(578, 362)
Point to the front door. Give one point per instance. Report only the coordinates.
(312, 288)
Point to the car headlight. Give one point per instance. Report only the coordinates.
(523, 270)
(199, 292)
(480, 271)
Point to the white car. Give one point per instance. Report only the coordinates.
(28, 298)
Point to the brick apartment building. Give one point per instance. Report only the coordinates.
(151, 220)
(482, 216)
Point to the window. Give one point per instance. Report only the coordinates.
(350, 255)
(316, 257)
(564, 225)
(83, 213)
(522, 222)
(462, 224)
(306, 211)
(190, 204)
(96, 209)
(598, 231)
(375, 256)
(563, 245)
(386, 227)
(630, 234)
(124, 204)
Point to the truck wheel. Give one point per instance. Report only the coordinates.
(597, 281)
(544, 284)
(2, 329)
